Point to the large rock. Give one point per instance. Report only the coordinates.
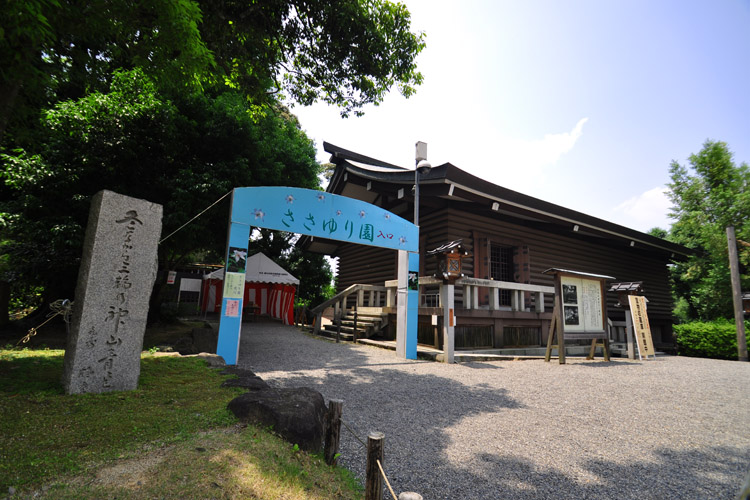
(245, 378)
(297, 415)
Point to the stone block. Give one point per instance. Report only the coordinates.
(115, 280)
(205, 339)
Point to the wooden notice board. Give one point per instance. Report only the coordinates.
(641, 327)
(580, 311)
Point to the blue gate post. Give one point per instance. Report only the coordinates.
(230, 323)
(412, 307)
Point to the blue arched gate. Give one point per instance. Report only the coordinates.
(324, 215)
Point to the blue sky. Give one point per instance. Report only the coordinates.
(580, 103)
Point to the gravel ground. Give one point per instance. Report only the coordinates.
(671, 428)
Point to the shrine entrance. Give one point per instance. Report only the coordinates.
(324, 215)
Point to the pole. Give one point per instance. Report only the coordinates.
(416, 197)
(734, 268)
(333, 431)
(373, 481)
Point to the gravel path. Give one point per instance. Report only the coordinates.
(672, 427)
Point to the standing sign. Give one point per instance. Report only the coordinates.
(580, 311)
(318, 214)
(582, 304)
(641, 326)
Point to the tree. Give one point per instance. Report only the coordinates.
(348, 53)
(711, 195)
(184, 155)
(55, 50)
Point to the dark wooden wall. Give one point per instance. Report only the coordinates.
(546, 249)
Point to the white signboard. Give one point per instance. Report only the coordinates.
(582, 305)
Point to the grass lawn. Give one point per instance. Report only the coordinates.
(171, 438)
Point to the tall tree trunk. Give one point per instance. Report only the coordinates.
(4, 303)
(8, 95)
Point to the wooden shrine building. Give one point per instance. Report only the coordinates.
(510, 238)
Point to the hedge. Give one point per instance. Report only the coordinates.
(710, 339)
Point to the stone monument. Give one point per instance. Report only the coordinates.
(117, 274)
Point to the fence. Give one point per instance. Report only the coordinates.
(374, 472)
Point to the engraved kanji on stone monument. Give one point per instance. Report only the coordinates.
(117, 274)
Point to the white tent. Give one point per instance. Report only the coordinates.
(269, 289)
(260, 269)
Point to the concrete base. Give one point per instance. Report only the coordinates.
(430, 353)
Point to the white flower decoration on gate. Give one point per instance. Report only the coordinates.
(321, 197)
(338, 212)
(259, 214)
(289, 198)
(362, 214)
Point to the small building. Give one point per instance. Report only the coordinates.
(510, 238)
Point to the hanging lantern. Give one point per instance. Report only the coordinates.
(449, 261)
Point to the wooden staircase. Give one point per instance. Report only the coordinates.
(369, 322)
(358, 306)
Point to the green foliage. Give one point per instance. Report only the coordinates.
(176, 102)
(48, 54)
(184, 155)
(659, 232)
(348, 53)
(713, 194)
(710, 339)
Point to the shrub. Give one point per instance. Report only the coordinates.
(710, 339)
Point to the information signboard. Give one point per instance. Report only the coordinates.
(582, 305)
(641, 326)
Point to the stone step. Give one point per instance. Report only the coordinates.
(349, 337)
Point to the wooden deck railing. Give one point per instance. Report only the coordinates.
(471, 288)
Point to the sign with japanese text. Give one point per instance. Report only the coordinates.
(641, 327)
(582, 305)
(324, 215)
(233, 308)
(234, 285)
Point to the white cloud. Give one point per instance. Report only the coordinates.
(519, 163)
(646, 210)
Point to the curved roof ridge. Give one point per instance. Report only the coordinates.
(345, 154)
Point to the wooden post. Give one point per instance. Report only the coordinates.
(629, 333)
(739, 320)
(373, 480)
(333, 431)
(355, 323)
(551, 335)
(558, 311)
(316, 323)
(539, 302)
(448, 298)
